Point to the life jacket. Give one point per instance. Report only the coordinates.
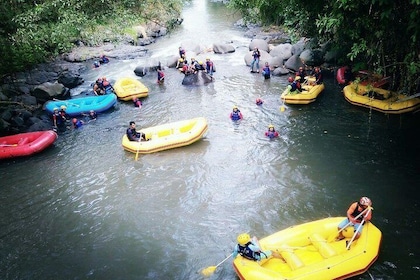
(247, 253)
(78, 124)
(235, 115)
(256, 54)
(131, 134)
(58, 118)
(160, 75)
(271, 134)
(357, 212)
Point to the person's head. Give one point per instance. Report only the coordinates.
(55, 109)
(290, 79)
(74, 120)
(235, 108)
(365, 202)
(266, 64)
(258, 100)
(271, 127)
(300, 68)
(316, 69)
(207, 59)
(91, 112)
(132, 124)
(255, 49)
(200, 62)
(243, 238)
(63, 107)
(192, 59)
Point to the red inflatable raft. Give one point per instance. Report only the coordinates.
(26, 144)
(366, 78)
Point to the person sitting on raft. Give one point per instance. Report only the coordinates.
(236, 114)
(133, 135)
(271, 132)
(294, 85)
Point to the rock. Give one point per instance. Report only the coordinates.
(312, 57)
(40, 126)
(28, 99)
(293, 63)
(280, 71)
(261, 44)
(283, 50)
(48, 91)
(70, 79)
(223, 48)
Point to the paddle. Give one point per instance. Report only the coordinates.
(211, 269)
(408, 98)
(70, 103)
(349, 223)
(138, 148)
(357, 230)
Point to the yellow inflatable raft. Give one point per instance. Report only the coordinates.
(167, 136)
(308, 95)
(127, 88)
(380, 100)
(310, 252)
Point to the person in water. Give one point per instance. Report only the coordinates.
(77, 123)
(259, 101)
(137, 102)
(236, 114)
(251, 249)
(362, 206)
(209, 66)
(266, 71)
(103, 59)
(160, 76)
(57, 118)
(271, 132)
(133, 135)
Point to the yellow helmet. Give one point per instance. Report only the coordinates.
(180, 60)
(271, 126)
(63, 107)
(243, 238)
(207, 58)
(235, 107)
(200, 62)
(55, 109)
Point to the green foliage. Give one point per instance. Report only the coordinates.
(33, 31)
(383, 35)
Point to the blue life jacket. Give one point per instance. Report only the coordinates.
(236, 115)
(247, 253)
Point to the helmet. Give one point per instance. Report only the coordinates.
(180, 60)
(207, 58)
(243, 238)
(290, 79)
(91, 111)
(55, 109)
(235, 107)
(271, 126)
(200, 62)
(103, 78)
(192, 58)
(63, 107)
(365, 201)
(74, 120)
(300, 68)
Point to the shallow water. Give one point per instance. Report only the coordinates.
(85, 209)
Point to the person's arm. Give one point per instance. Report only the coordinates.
(235, 251)
(350, 212)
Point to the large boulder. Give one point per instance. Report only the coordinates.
(280, 71)
(198, 79)
(223, 48)
(312, 57)
(48, 91)
(70, 79)
(293, 63)
(261, 44)
(283, 50)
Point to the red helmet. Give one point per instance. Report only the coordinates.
(74, 120)
(290, 79)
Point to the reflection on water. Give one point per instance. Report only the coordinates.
(86, 209)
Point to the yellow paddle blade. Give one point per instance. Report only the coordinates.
(282, 109)
(208, 271)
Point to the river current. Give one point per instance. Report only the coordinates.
(85, 209)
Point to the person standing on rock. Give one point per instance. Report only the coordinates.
(256, 60)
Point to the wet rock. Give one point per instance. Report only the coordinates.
(261, 44)
(293, 63)
(27, 99)
(70, 79)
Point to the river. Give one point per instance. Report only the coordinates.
(85, 209)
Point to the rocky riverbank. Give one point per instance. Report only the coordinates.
(22, 95)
